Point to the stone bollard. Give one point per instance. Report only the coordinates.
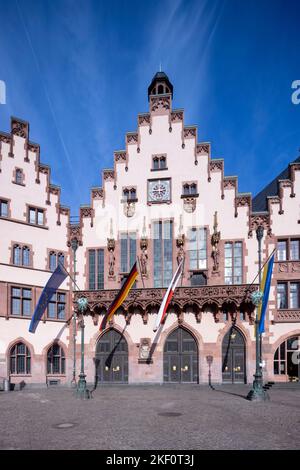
(6, 385)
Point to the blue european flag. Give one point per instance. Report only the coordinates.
(50, 288)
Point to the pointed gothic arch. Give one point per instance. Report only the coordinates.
(111, 357)
(180, 361)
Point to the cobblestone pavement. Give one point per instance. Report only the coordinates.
(150, 417)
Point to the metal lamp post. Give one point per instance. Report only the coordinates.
(74, 245)
(82, 391)
(257, 393)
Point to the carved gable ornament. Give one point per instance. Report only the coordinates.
(129, 208)
(189, 204)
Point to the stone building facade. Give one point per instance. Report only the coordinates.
(165, 199)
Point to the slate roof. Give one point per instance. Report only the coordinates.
(259, 202)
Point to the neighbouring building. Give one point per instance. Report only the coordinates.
(165, 199)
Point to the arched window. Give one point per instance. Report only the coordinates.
(163, 163)
(19, 176)
(56, 360)
(286, 359)
(26, 256)
(61, 259)
(132, 193)
(20, 359)
(17, 255)
(52, 260)
(160, 90)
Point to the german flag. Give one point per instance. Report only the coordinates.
(121, 296)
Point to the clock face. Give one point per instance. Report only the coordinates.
(159, 191)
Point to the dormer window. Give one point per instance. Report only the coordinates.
(159, 162)
(189, 190)
(129, 195)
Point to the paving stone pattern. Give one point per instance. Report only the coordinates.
(150, 417)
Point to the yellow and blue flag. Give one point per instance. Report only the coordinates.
(58, 276)
(265, 289)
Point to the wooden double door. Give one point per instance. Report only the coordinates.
(180, 357)
(234, 357)
(112, 358)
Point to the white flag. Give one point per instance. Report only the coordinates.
(168, 296)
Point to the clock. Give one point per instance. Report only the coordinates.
(159, 190)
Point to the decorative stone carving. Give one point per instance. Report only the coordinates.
(120, 157)
(202, 296)
(189, 132)
(145, 317)
(5, 138)
(159, 103)
(111, 257)
(283, 267)
(217, 316)
(288, 266)
(229, 183)
(203, 148)
(286, 316)
(296, 267)
(19, 128)
(216, 165)
(215, 240)
(180, 241)
(97, 193)
(108, 175)
(132, 138)
(144, 257)
(86, 212)
(54, 190)
(189, 204)
(143, 119)
(129, 208)
(128, 316)
(64, 210)
(74, 233)
(242, 201)
(144, 349)
(44, 169)
(257, 220)
(180, 245)
(111, 244)
(35, 148)
(177, 116)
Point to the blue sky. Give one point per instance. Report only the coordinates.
(78, 71)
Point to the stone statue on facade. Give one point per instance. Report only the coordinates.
(215, 240)
(144, 253)
(180, 244)
(111, 256)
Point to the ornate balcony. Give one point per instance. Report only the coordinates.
(231, 298)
